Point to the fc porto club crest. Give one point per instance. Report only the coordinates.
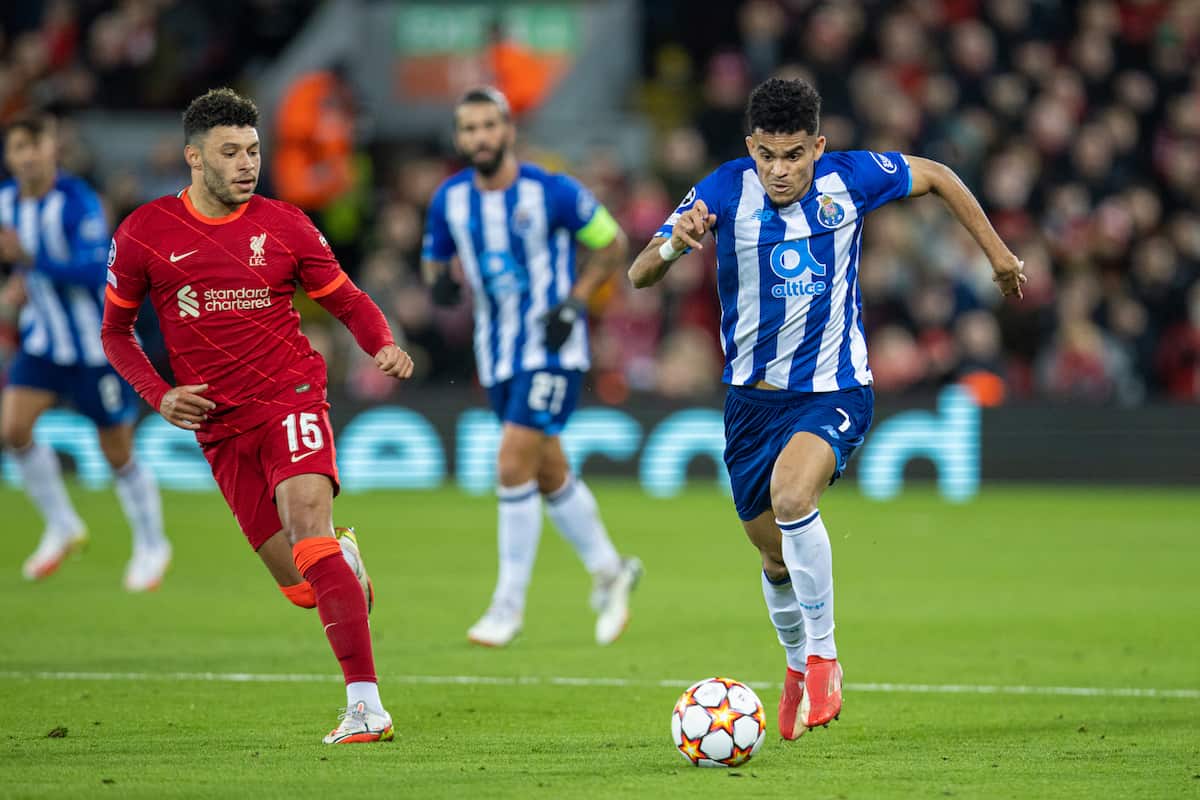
(522, 221)
(830, 213)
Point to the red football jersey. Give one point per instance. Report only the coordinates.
(223, 292)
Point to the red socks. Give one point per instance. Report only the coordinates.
(300, 594)
(340, 603)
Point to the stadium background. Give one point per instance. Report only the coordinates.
(1033, 642)
(1077, 124)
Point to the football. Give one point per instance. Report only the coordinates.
(349, 543)
(718, 722)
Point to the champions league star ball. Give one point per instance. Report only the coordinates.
(718, 722)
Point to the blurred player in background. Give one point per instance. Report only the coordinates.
(221, 265)
(53, 233)
(514, 228)
(787, 222)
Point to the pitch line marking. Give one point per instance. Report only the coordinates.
(536, 680)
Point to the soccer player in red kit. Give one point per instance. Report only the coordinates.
(221, 264)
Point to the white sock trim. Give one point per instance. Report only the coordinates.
(801, 525)
(563, 492)
(514, 494)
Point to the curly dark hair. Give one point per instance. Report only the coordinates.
(216, 107)
(784, 106)
(35, 123)
(485, 94)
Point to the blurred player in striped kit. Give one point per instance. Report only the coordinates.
(514, 228)
(54, 236)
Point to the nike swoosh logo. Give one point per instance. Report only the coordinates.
(300, 456)
(182, 256)
(330, 625)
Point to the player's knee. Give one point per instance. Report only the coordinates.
(306, 519)
(776, 571)
(550, 480)
(117, 453)
(14, 435)
(792, 504)
(513, 471)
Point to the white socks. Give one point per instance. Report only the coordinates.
(139, 497)
(574, 512)
(42, 477)
(784, 610)
(366, 693)
(520, 530)
(809, 561)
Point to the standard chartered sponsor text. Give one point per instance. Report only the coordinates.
(243, 299)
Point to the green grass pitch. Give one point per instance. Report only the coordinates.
(1026, 587)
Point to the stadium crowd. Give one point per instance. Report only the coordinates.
(1076, 124)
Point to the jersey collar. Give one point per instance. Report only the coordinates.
(230, 217)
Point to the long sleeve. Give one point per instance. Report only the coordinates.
(319, 274)
(126, 354)
(357, 312)
(78, 257)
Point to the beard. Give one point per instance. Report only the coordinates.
(219, 189)
(489, 167)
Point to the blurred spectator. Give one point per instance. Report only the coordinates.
(1177, 362)
(516, 71)
(314, 163)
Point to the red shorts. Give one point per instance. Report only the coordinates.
(250, 465)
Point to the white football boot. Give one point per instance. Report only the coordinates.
(358, 724)
(498, 626)
(51, 551)
(610, 600)
(146, 567)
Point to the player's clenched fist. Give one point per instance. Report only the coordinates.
(1007, 274)
(186, 407)
(394, 362)
(691, 227)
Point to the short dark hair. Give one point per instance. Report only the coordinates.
(36, 123)
(784, 106)
(216, 107)
(485, 94)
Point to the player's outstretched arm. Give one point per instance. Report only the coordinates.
(689, 231)
(933, 176)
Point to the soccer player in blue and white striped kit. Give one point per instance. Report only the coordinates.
(787, 223)
(54, 235)
(514, 228)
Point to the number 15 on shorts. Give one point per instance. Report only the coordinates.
(303, 429)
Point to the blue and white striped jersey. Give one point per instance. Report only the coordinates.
(66, 233)
(791, 310)
(517, 248)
